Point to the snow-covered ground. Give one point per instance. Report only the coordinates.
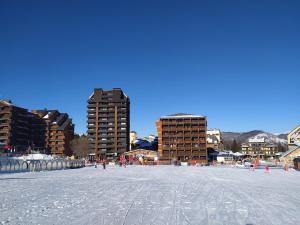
(157, 195)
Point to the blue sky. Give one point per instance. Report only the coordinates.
(237, 62)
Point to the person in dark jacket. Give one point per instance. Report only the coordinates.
(104, 164)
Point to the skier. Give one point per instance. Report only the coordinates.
(104, 164)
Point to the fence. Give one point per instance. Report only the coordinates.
(16, 166)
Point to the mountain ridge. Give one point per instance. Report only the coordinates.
(242, 137)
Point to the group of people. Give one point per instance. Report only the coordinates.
(122, 162)
(103, 162)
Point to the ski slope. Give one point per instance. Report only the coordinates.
(157, 195)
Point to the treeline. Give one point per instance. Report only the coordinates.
(79, 146)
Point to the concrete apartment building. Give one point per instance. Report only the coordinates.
(108, 123)
(182, 137)
(47, 131)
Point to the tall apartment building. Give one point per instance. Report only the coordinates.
(182, 136)
(57, 129)
(14, 126)
(48, 131)
(108, 123)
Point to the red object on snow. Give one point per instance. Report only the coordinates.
(7, 147)
(267, 170)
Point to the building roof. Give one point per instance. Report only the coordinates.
(211, 139)
(294, 130)
(6, 102)
(60, 118)
(182, 115)
(65, 124)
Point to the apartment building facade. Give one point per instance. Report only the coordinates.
(14, 126)
(47, 131)
(108, 123)
(259, 146)
(182, 137)
(57, 130)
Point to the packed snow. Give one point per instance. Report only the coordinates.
(36, 156)
(157, 195)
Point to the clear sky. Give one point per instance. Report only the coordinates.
(237, 62)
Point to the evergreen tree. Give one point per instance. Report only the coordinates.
(235, 147)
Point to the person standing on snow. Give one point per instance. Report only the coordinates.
(104, 164)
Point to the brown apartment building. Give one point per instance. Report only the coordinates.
(58, 131)
(14, 126)
(47, 131)
(182, 137)
(108, 123)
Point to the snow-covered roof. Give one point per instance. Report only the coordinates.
(6, 102)
(46, 116)
(91, 95)
(257, 139)
(238, 154)
(182, 115)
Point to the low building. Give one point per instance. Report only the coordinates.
(297, 163)
(294, 137)
(259, 146)
(147, 154)
(133, 138)
(214, 139)
(182, 137)
(225, 157)
(293, 145)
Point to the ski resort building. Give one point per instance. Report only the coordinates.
(293, 144)
(182, 137)
(47, 131)
(214, 139)
(133, 137)
(14, 127)
(108, 123)
(259, 146)
(58, 131)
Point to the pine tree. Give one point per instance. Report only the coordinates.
(235, 147)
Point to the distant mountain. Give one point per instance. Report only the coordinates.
(150, 142)
(282, 136)
(242, 137)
